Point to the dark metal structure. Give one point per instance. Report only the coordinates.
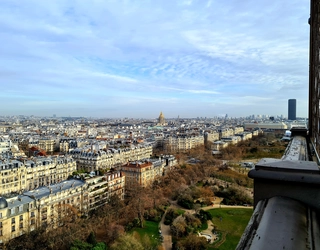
(314, 74)
(286, 200)
(287, 190)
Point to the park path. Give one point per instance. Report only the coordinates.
(166, 231)
(209, 231)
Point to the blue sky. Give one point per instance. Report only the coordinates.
(135, 58)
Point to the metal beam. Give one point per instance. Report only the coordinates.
(314, 74)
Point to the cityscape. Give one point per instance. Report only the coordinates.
(169, 125)
(51, 162)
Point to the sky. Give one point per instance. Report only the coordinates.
(135, 58)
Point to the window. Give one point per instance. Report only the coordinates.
(13, 220)
(20, 208)
(32, 214)
(13, 229)
(21, 225)
(12, 211)
(21, 217)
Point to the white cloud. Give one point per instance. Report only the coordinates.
(162, 50)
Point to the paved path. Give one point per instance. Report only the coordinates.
(166, 231)
(224, 206)
(209, 231)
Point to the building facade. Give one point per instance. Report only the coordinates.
(5, 145)
(47, 145)
(102, 188)
(54, 205)
(141, 173)
(19, 176)
(103, 159)
(292, 109)
(182, 142)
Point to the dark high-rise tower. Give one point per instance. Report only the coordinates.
(292, 103)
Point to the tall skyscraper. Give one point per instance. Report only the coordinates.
(292, 103)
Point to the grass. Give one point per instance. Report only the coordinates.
(151, 229)
(231, 225)
(180, 211)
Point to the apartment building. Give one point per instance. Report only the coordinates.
(226, 132)
(17, 176)
(211, 136)
(44, 206)
(245, 135)
(101, 188)
(5, 145)
(17, 217)
(49, 206)
(43, 171)
(102, 159)
(238, 130)
(256, 132)
(13, 176)
(231, 140)
(182, 142)
(141, 173)
(218, 145)
(47, 145)
(57, 201)
(66, 144)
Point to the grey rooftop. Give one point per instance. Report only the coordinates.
(53, 189)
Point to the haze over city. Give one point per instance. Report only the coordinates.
(137, 58)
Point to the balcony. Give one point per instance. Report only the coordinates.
(286, 200)
(287, 191)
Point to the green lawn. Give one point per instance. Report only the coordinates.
(150, 229)
(231, 222)
(180, 211)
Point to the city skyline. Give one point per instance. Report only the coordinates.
(135, 59)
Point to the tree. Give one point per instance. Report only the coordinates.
(139, 202)
(178, 227)
(185, 200)
(92, 239)
(192, 221)
(127, 242)
(80, 245)
(192, 242)
(204, 216)
(171, 214)
(100, 246)
(112, 232)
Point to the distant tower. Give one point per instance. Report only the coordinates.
(161, 120)
(292, 103)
